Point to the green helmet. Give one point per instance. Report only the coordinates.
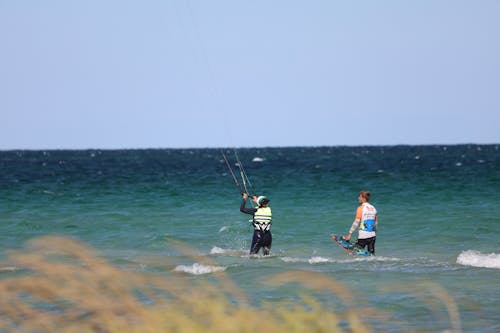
(262, 200)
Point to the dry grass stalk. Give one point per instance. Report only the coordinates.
(61, 285)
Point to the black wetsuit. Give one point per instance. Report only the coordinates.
(369, 242)
(261, 239)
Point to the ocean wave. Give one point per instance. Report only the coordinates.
(290, 259)
(8, 269)
(228, 252)
(312, 260)
(217, 250)
(478, 259)
(317, 260)
(381, 258)
(199, 269)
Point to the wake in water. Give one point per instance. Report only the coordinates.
(478, 259)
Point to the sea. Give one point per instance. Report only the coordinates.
(438, 238)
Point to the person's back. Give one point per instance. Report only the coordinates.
(366, 220)
(262, 220)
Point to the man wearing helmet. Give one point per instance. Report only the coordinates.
(261, 222)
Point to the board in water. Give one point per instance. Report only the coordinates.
(348, 247)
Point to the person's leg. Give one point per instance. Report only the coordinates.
(256, 242)
(371, 245)
(267, 242)
(360, 244)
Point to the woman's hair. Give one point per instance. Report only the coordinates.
(365, 195)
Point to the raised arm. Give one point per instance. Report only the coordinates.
(245, 210)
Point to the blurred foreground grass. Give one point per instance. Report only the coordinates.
(60, 285)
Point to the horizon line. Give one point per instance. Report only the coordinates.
(251, 147)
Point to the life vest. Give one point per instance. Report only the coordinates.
(368, 218)
(262, 219)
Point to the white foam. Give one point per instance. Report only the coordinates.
(217, 250)
(229, 252)
(290, 259)
(312, 260)
(258, 159)
(317, 260)
(198, 269)
(478, 259)
(224, 228)
(383, 259)
(8, 269)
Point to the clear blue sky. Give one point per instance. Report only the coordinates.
(196, 73)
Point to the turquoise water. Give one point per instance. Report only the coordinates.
(437, 208)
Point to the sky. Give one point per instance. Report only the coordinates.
(113, 74)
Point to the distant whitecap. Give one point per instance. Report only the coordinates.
(258, 159)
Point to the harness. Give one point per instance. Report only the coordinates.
(262, 219)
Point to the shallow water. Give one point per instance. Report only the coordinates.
(436, 206)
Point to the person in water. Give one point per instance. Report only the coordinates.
(366, 220)
(261, 222)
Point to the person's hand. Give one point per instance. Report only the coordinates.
(254, 198)
(245, 196)
(347, 237)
